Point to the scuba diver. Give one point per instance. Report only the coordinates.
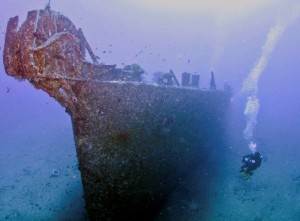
(251, 162)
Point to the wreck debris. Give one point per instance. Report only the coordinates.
(55, 173)
(174, 77)
(48, 7)
(168, 79)
(85, 45)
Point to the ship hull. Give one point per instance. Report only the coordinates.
(137, 142)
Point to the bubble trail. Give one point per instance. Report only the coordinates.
(250, 86)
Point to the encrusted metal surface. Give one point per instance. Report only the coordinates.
(135, 142)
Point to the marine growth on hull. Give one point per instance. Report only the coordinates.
(135, 141)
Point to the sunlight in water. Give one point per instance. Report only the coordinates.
(213, 6)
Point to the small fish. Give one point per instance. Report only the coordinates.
(141, 52)
(103, 52)
(122, 63)
(109, 45)
(7, 89)
(189, 61)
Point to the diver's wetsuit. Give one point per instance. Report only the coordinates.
(251, 162)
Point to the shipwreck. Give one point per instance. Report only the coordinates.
(135, 141)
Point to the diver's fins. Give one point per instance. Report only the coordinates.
(246, 176)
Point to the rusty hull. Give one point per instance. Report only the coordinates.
(135, 142)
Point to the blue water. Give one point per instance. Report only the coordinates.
(37, 139)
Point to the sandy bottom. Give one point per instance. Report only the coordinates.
(272, 193)
(39, 180)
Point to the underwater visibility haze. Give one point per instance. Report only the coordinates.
(254, 46)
